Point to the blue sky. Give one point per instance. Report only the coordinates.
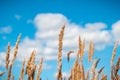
(39, 22)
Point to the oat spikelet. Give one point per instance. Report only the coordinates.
(68, 55)
(7, 56)
(39, 69)
(22, 70)
(16, 49)
(60, 44)
(114, 53)
(90, 51)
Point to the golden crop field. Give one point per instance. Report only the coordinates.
(77, 72)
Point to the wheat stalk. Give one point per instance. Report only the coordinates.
(94, 67)
(22, 70)
(82, 72)
(16, 49)
(31, 67)
(39, 69)
(90, 51)
(81, 45)
(87, 75)
(7, 56)
(12, 77)
(60, 44)
(114, 53)
(9, 71)
(14, 57)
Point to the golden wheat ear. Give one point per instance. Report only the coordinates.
(7, 61)
(39, 69)
(114, 53)
(22, 70)
(16, 49)
(90, 51)
(60, 45)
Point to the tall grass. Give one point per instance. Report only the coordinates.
(77, 71)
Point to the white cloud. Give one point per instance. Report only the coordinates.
(18, 17)
(65, 75)
(2, 59)
(46, 36)
(116, 30)
(96, 26)
(6, 30)
(45, 22)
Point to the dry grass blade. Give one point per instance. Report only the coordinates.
(114, 53)
(39, 69)
(7, 56)
(22, 70)
(68, 55)
(60, 44)
(90, 51)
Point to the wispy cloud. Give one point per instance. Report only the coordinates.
(4, 37)
(5, 30)
(29, 21)
(18, 17)
(116, 30)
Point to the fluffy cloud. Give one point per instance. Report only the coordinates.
(5, 30)
(65, 75)
(49, 21)
(95, 26)
(48, 26)
(2, 55)
(116, 30)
